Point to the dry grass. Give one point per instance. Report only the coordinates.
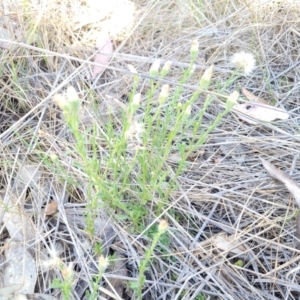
(224, 189)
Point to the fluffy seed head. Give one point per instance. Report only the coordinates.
(69, 103)
(135, 131)
(59, 100)
(244, 61)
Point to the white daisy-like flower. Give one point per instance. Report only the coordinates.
(244, 61)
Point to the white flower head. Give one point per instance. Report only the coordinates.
(137, 99)
(164, 94)
(232, 99)
(135, 131)
(167, 66)
(69, 103)
(154, 68)
(103, 263)
(67, 272)
(163, 226)
(244, 61)
(188, 111)
(206, 77)
(195, 47)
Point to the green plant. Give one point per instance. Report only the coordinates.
(200, 297)
(134, 170)
(103, 263)
(137, 286)
(66, 284)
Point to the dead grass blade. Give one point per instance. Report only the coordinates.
(287, 180)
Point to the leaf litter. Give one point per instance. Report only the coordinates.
(105, 46)
(286, 179)
(260, 112)
(252, 98)
(291, 186)
(258, 109)
(20, 267)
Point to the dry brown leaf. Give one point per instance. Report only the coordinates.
(10, 30)
(252, 98)
(291, 185)
(175, 157)
(217, 160)
(19, 297)
(104, 45)
(8, 291)
(17, 222)
(259, 112)
(223, 242)
(112, 105)
(29, 175)
(229, 243)
(20, 267)
(51, 208)
(286, 179)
